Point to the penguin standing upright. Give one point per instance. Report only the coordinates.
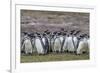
(48, 37)
(65, 45)
(45, 43)
(57, 44)
(75, 39)
(27, 45)
(39, 45)
(62, 39)
(34, 50)
(52, 42)
(83, 45)
(71, 44)
(23, 36)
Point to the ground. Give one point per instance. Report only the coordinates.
(53, 57)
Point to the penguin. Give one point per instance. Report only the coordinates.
(73, 41)
(52, 42)
(83, 46)
(34, 50)
(70, 45)
(57, 43)
(39, 45)
(48, 37)
(45, 43)
(65, 44)
(23, 36)
(27, 45)
(62, 39)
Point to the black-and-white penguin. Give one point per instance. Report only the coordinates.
(65, 44)
(48, 36)
(62, 39)
(57, 43)
(83, 45)
(45, 43)
(39, 44)
(75, 39)
(51, 46)
(71, 42)
(27, 45)
(34, 50)
(23, 36)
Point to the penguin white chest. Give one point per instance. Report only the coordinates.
(70, 44)
(83, 46)
(61, 39)
(57, 45)
(39, 46)
(65, 45)
(43, 39)
(28, 46)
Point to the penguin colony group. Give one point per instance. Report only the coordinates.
(54, 42)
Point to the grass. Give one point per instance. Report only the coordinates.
(53, 57)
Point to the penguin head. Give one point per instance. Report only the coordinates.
(59, 33)
(88, 36)
(44, 34)
(78, 38)
(71, 32)
(39, 35)
(85, 35)
(55, 33)
(76, 33)
(33, 35)
(52, 35)
(63, 33)
(25, 33)
(48, 33)
(82, 36)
